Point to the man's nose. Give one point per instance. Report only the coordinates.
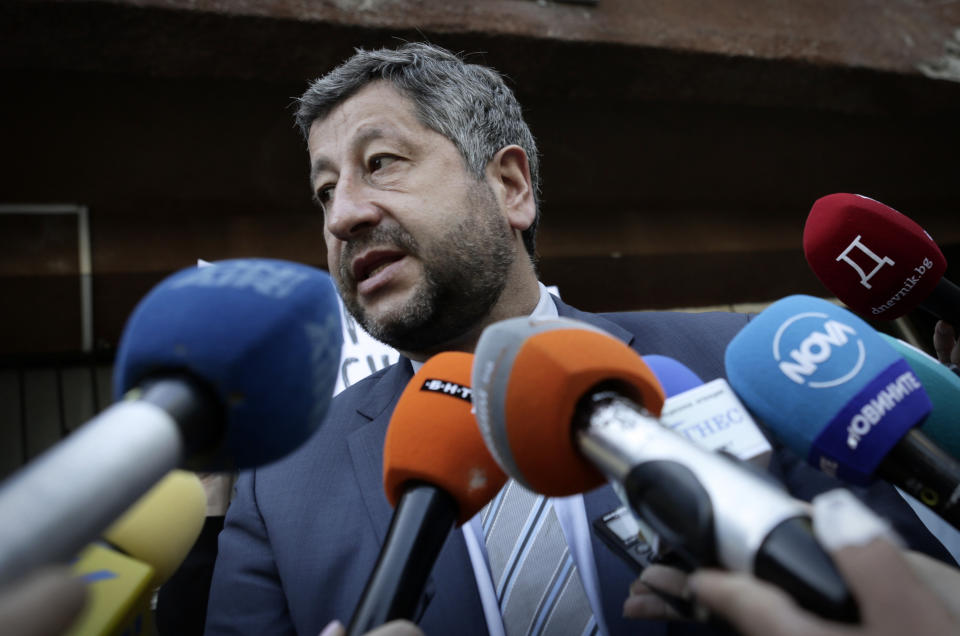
(351, 211)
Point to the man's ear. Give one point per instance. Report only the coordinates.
(510, 175)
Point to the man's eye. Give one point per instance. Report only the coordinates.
(324, 194)
(378, 162)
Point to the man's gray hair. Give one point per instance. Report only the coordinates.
(468, 104)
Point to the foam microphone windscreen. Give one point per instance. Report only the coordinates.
(943, 388)
(263, 334)
(876, 260)
(534, 373)
(674, 377)
(826, 384)
(162, 526)
(433, 438)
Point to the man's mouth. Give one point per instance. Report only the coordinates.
(373, 262)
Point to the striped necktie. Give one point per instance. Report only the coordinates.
(536, 581)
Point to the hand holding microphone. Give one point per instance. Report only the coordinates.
(43, 603)
(893, 600)
(946, 345)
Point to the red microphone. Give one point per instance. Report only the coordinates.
(437, 472)
(876, 260)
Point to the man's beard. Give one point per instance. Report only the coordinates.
(465, 271)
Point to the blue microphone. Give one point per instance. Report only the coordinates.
(674, 376)
(837, 394)
(223, 367)
(261, 336)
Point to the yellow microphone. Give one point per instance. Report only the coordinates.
(141, 550)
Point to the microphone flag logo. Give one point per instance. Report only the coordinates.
(866, 251)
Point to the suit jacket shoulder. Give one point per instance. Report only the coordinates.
(698, 340)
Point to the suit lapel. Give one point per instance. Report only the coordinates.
(366, 442)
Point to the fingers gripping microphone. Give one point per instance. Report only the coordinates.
(876, 260)
(436, 472)
(563, 405)
(837, 394)
(235, 366)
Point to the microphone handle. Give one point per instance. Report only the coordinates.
(708, 507)
(68, 495)
(944, 302)
(64, 498)
(923, 469)
(200, 415)
(421, 523)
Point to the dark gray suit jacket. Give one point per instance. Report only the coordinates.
(302, 535)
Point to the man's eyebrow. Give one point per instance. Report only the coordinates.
(318, 166)
(363, 137)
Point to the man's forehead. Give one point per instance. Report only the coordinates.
(377, 104)
(377, 111)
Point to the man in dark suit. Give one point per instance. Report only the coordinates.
(427, 176)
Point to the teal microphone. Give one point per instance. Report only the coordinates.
(943, 388)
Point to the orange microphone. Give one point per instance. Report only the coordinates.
(437, 472)
(530, 377)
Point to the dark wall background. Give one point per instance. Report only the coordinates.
(682, 146)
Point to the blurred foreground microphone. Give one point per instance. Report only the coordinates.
(139, 553)
(436, 472)
(562, 404)
(943, 388)
(876, 260)
(838, 395)
(673, 376)
(235, 366)
(163, 525)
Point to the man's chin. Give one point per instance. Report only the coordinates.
(387, 308)
(387, 321)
